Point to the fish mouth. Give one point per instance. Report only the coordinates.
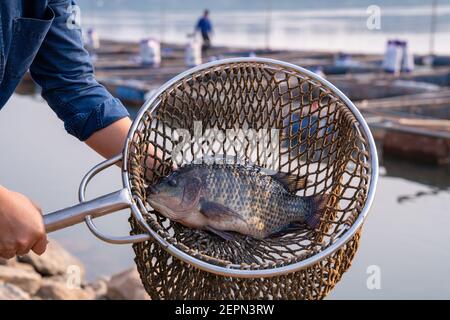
(163, 209)
(174, 205)
(168, 206)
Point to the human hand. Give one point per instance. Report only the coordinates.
(21, 225)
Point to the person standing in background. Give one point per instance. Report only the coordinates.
(205, 27)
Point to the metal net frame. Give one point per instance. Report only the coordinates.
(317, 137)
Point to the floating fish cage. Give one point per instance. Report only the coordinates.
(306, 127)
(414, 127)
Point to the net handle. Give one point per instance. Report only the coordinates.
(88, 210)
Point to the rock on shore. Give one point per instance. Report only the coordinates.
(58, 275)
(11, 292)
(126, 285)
(55, 261)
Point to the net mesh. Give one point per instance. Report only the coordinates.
(274, 117)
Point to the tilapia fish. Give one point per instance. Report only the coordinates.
(222, 197)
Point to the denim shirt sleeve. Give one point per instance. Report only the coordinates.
(63, 68)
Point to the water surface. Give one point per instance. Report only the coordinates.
(406, 234)
(316, 25)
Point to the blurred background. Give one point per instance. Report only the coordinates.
(286, 24)
(402, 87)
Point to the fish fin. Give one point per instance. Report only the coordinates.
(290, 181)
(317, 206)
(223, 234)
(293, 226)
(191, 192)
(214, 209)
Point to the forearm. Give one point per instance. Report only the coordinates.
(110, 141)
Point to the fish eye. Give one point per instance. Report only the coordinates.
(172, 182)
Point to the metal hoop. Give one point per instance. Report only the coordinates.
(232, 270)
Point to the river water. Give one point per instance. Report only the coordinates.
(406, 238)
(332, 25)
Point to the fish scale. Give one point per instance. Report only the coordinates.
(258, 198)
(233, 197)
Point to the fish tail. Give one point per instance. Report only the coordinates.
(316, 208)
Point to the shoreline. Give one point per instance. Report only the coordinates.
(183, 43)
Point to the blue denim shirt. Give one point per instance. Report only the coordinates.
(34, 35)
